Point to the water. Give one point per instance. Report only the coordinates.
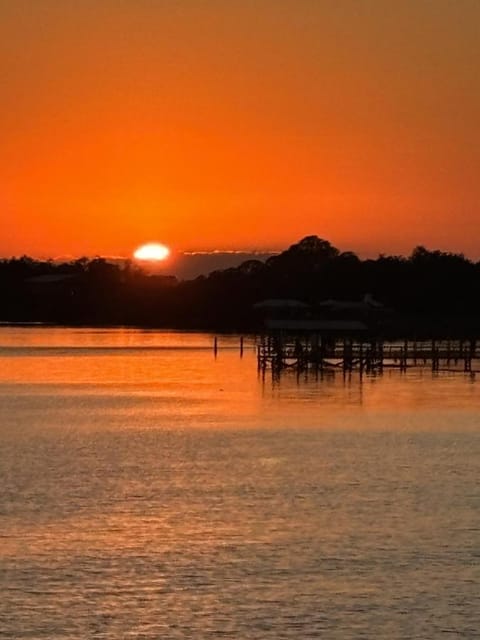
(149, 490)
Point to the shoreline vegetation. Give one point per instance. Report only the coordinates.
(429, 293)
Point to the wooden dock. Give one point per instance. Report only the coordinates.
(278, 352)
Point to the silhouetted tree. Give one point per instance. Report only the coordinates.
(429, 289)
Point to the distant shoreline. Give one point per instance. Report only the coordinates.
(310, 284)
(456, 332)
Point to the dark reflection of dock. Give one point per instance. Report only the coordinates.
(279, 352)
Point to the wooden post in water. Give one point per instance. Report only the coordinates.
(434, 356)
(469, 354)
(322, 353)
(347, 355)
(360, 359)
(215, 346)
(241, 346)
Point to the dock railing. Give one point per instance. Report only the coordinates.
(303, 352)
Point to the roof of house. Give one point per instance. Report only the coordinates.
(316, 326)
(50, 278)
(280, 303)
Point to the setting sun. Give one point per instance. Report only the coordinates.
(153, 251)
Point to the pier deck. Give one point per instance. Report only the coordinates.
(278, 352)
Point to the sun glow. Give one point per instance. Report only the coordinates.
(152, 252)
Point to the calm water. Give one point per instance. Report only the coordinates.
(149, 490)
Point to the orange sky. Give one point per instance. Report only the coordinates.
(239, 124)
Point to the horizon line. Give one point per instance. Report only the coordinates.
(174, 253)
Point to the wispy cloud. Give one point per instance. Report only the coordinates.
(235, 252)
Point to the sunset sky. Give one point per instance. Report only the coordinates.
(239, 124)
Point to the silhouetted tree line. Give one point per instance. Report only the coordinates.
(427, 291)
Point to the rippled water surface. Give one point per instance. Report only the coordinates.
(151, 490)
